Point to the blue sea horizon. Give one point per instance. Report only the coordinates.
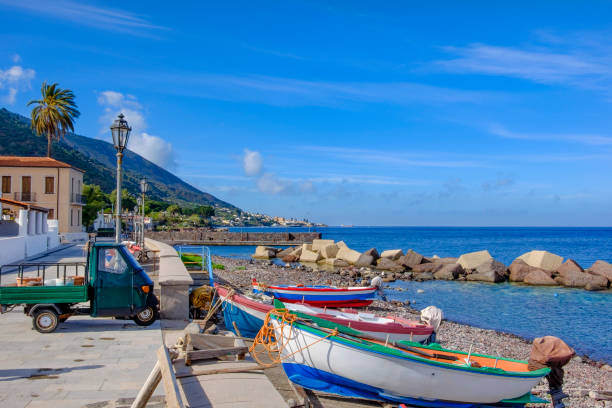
(579, 317)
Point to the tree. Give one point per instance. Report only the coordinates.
(128, 201)
(96, 201)
(195, 220)
(205, 211)
(54, 114)
(174, 209)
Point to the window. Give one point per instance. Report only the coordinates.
(78, 217)
(51, 215)
(71, 217)
(110, 260)
(49, 185)
(6, 184)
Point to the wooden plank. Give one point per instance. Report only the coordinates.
(198, 372)
(148, 388)
(173, 394)
(212, 353)
(208, 341)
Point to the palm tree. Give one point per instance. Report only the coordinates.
(54, 114)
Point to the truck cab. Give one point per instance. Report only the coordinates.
(112, 282)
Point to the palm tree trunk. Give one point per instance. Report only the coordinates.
(49, 146)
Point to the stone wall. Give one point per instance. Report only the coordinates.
(202, 235)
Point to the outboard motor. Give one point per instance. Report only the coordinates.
(549, 351)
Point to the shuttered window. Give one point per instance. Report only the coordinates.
(49, 185)
(6, 184)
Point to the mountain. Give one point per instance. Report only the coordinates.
(98, 159)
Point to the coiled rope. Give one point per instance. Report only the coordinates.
(273, 346)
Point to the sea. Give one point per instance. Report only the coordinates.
(581, 318)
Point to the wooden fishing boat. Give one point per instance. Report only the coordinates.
(322, 296)
(248, 314)
(329, 360)
(388, 328)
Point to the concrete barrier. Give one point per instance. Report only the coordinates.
(174, 281)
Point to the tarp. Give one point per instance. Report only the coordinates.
(549, 350)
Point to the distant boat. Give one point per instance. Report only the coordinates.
(330, 361)
(321, 296)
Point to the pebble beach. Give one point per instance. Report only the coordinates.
(587, 382)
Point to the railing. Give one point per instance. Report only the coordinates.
(204, 254)
(78, 199)
(26, 197)
(46, 269)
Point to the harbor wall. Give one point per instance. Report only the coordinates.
(233, 238)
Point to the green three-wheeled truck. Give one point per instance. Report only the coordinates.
(111, 280)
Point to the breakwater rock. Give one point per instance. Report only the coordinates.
(532, 268)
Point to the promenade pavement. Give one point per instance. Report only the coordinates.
(85, 361)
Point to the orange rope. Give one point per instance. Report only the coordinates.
(266, 337)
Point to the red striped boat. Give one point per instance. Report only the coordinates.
(321, 296)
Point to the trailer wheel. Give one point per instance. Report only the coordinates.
(146, 316)
(45, 320)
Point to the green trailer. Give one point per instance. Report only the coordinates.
(111, 283)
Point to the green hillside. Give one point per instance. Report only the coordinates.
(98, 159)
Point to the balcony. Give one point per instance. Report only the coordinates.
(78, 199)
(25, 197)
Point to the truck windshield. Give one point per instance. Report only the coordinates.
(130, 258)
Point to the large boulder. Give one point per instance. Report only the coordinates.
(411, 259)
(328, 251)
(388, 264)
(341, 244)
(393, 254)
(365, 260)
(542, 259)
(318, 244)
(489, 271)
(264, 252)
(539, 277)
(284, 252)
(601, 268)
(310, 256)
(449, 271)
(373, 253)
(349, 255)
(423, 276)
(294, 256)
(430, 267)
(307, 247)
(473, 259)
(569, 266)
(446, 260)
(518, 270)
(574, 279)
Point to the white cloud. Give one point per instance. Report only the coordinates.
(152, 148)
(14, 79)
(269, 183)
(252, 162)
(16, 58)
(585, 138)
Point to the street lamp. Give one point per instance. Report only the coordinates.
(121, 133)
(144, 187)
(137, 220)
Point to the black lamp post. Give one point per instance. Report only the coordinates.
(144, 187)
(121, 133)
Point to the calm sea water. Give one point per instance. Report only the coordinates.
(583, 319)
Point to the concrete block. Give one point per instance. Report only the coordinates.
(307, 247)
(341, 244)
(473, 259)
(310, 256)
(349, 255)
(264, 252)
(393, 254)
(329, 251)
(318, 244)
(542, 259)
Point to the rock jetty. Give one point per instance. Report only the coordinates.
(541, 268)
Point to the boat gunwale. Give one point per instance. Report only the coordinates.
(378, 349)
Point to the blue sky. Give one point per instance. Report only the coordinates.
(364, 113)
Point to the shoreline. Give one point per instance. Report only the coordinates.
(584, 377)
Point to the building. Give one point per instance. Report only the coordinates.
(46, 183)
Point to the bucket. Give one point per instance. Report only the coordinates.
(35, 281)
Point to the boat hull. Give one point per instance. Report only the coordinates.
(320, 296)
(246, 314)
(391, 377)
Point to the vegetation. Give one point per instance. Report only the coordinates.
(54, 114)
(194, 261)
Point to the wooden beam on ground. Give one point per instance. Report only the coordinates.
(173, 394)
(148, 388)
(198, 372)
(213, 353)
(208, 341)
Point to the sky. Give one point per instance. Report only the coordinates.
(365, 113)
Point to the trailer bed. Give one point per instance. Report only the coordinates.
(15, 295)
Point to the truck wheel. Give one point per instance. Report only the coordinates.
(146, 317)
(45, 320)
